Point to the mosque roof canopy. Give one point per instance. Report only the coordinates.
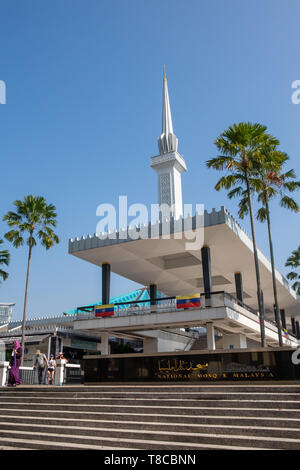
(177, 269)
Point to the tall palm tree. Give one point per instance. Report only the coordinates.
(239, 146)
(4, 259)
(270, 181)
(294, 262)
(33, 218)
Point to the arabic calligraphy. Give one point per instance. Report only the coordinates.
(176, 369)
(175, 365)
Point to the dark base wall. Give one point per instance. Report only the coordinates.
(198, 367)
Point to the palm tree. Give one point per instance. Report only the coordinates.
(294, 262)
(4, 259)
(239, 146)
(268, 182)
(33, 217)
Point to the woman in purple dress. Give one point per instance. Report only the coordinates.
(15, 362)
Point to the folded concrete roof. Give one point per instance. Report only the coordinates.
(177, 270)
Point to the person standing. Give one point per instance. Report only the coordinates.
(15, 362)
(61, 357)
(51, 369)
(41, 362)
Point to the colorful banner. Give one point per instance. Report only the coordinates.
(285, 333)
(188, 301)
(104, 310)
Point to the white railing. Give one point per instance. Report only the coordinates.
(29, 375)
(72, 372)
(163, 306)
(214, 300)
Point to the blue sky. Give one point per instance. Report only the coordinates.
(83, 114)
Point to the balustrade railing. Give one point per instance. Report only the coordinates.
(214, 299)
(168, 304)
(64, 374)
(73, 374)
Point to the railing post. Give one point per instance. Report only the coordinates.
(59, 372)
(3, 371)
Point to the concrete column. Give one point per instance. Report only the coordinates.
(274, 310)
(206, 270)
(293, 325)
(59, 372)
(297, 330)
(150, 345)
(239, 286)
(54, 346)
(234, 341)
(283, 319)
(49, 347)
(105, 283)
(210, 335)
(153, 294)
(104, 345)
(3, 372)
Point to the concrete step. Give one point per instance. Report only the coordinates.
(2, 447)
(154, 441)
(151, 417)
(165, 409)
(174, 403)
(158, 418)
(228, 429)
(159, 388)
(51, 442)
(29, 444)
(285, 396)
(279, 422)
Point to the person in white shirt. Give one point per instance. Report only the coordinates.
(51, 369)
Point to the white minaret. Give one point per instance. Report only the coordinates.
(169, 164)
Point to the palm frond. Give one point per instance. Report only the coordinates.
(243, 207)
(4, 259)
(225, 182)
(289, 203)
(261, 214)
(32, 215)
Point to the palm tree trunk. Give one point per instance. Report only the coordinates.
(25, 300)
(259, 291)
(277, 315)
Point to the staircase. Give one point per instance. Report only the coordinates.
(151, 417)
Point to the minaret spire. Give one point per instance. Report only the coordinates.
(169, 164)
(167, 141)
